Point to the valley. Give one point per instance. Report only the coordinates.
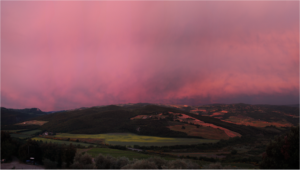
(235, 135)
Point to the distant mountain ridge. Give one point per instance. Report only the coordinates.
(293, 105)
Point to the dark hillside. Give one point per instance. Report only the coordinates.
(12, 116)
(113, 118)
(241, 129)
(109, 119)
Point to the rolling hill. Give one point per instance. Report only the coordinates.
(217, 121)
(118, 119)
(12, 116)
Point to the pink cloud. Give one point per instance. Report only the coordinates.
(63, 55)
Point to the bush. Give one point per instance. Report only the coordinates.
(181, 164)
(122, 161)
(49, 164)
(159, 162)
(283, 152)
(233, 152)
(109, 162)
(217, 165)
(101, 162)
(141, 164)
(82, 161)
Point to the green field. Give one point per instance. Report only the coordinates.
(117, 153)
(21, 136)
(31, 132)
(13, 131)
(60, 141)
(130, 139)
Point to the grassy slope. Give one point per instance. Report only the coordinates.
(132, 139)
(205, 132)
(117, 153)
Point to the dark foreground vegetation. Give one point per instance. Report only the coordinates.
(282, 152)
(63, 154)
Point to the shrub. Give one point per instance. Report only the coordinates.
(122, 161)
(49, 164)
(101, 162)
(82, 161)
(283, 152)
(141, 164)
(159, 162)
(76, 165)
(109, 162)
(181, 164)
(233, 152)
(86, 159)
(217, 165)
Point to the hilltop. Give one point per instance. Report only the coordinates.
(12, 116)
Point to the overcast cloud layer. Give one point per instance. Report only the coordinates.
(64, 55)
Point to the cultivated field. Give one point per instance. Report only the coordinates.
(256, 123)
(203, 131)
(21, 136)
(129, 139)
(31, 132)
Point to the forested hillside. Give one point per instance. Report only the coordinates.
(111, 119)
(12, 116)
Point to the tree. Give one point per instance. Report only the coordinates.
(50, 164)
(8, 146)
(82, 161)
(7, 150)
(30, 149)
(283, 151)
(233, 152)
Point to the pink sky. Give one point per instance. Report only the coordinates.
(64, 55)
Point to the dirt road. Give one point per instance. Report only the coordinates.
(15, 163)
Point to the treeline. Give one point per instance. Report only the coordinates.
(9, 146)
(62, 154)
(202, 146)
(84, 161)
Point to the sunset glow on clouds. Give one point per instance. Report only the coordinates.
(65, 55)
